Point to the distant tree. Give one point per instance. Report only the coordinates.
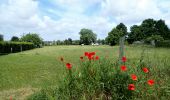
(103, 42)
(116, 33)
(32, 37)
(99, 41)
(76, 42)
(1, 37)
(14, 38)
(70, 41)
(66, 42)
(87, 36)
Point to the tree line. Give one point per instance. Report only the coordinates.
(149, 30)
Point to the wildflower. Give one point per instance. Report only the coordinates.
(10, 97)
(123, 68)
(61, 59)
(92, 53)
(131, 87)
(97, 58)
(90, 57)
(68, 65)
(145, 70)
(86, 53)
(134, 77)
(150, 82)
(124, 59)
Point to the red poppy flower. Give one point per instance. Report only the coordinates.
(86, 53)
(145, 70)
(151, 82)
(68, 65)
(81, 57)
(92, 53)
(10, 97)
(90, 57)
(97, 58)
(131, 87)
(62, 59)
(123, 68)
(123, 59)
(134, 77)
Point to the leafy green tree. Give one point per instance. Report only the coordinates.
(162, 29)
(148, 28)
(113, 36)
(1, 37)
(87, 36)
(14, 38)
(136, 34)
(32, 37)
(122, 28)
(116, 33)
(70, 41)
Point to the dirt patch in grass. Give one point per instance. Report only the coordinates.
(18, 94)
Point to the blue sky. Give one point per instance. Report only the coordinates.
(61, 19)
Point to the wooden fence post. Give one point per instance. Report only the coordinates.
(11, 49)
(21, 47)
(121, 49)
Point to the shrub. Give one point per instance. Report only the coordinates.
(165, 43)
(5, 47)
(102, 79)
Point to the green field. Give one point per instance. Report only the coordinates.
(23, 73)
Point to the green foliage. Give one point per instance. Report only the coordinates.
(116, 33)
(122, 28)
(101, 41)
(42, 95)
(76, 42)
(94, 79)
(136, 34)
(5, 47)
(68, 41)
(148, 29)
(87, 36)
(15, 39)
(32, 37)
(1, 37)
(162, 29)
(154, 38)
(165, 43)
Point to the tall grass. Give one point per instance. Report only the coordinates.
(42, 68)
(104, 79)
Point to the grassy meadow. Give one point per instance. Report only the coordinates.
(21, 74)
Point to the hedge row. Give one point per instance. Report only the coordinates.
(165, 43)
(8, 47)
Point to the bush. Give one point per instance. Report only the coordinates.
(8, 47)
(101, 78)
(165, 43)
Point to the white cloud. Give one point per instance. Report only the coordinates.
(22, 16)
